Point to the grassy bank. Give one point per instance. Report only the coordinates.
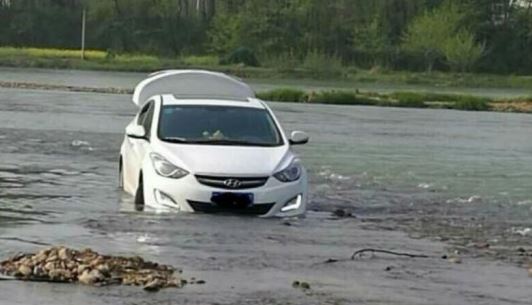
(104, 61)
(399, 99)
(273, 69)
(337, 97)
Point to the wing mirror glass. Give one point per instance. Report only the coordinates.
(136, 132)
(298, 138)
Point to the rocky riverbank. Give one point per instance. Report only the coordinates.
(64, 265)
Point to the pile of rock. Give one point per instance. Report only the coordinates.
(64, 265)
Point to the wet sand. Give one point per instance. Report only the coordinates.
(259, 265)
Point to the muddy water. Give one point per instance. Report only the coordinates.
(461, 176)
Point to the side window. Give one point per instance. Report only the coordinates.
(143, 112)
(145, 117)
(149, 119)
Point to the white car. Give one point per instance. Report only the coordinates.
(202, 142)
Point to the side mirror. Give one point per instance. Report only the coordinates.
(298, 138)
(136, 132)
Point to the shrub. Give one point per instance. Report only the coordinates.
(462, 51)
(241, 55)
(411, 104)
(341, 97)
(284, 62)
(428, 32)
(137, 59)
(204, 60)
(110, 54)
(419, 100)
(283, 95)
(408, 97)
(322, 65)
(472, 103)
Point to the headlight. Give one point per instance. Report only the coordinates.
(166, 169)
(291, 173)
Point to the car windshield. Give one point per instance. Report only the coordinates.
(218, 125)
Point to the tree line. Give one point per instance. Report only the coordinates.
(463, 35)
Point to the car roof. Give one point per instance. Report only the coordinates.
(169, 99)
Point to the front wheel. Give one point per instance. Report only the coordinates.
(121, 176)
(139, 195)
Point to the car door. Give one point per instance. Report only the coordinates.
(137, 148)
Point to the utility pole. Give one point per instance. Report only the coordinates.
(83, 24)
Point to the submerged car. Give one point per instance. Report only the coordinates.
(203, 142)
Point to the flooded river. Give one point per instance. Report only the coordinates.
(413, 178)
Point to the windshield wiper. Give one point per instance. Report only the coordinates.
(180, 140)
(227, 142)
(175, 140)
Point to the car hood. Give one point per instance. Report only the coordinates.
(227, 160)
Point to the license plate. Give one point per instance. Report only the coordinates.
(233, 200)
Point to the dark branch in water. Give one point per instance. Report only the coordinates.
(33, 242)
(359, 252)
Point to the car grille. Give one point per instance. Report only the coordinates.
(232, 183)
(211, 208)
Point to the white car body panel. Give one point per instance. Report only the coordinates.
(208, 160)
(221, 160)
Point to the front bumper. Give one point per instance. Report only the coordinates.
(189, 195)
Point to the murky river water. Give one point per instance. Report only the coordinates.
(418, 170)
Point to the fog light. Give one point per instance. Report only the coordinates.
(292, 204)
(163, 198)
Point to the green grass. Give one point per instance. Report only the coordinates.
(319, 65)
(314, 66)
(397, 99)
(442, 79)
(341, 97)
(10, 52)
(284, 95)
(71, 59)
(436, 100)
(204, 60)
(472, 104)
(101, 60)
